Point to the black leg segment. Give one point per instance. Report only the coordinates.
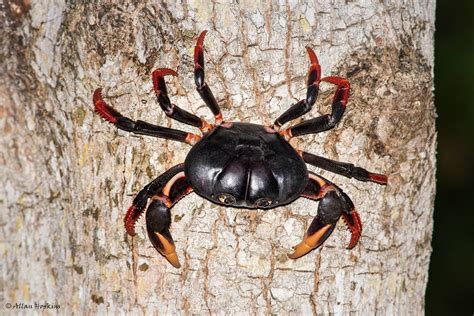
(328, 121)
(342, 168)
(303, 106)
(139, 127)
(199, 78)
(171, 110)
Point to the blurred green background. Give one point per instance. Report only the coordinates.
(451, 279)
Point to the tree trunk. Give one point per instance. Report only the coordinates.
(68, 176)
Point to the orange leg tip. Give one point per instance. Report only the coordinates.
(378, 178)
(97, 96)
(200, 40)
(312, 56)
(198, 50)
(160, 72)
(336, 81)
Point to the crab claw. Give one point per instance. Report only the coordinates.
(330, 208)
(317, 233)
(158, 220)
(334, 203)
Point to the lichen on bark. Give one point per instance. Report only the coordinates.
(68, 177)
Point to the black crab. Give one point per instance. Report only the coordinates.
(243, 165)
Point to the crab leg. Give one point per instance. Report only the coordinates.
(303, 106)
(342, 168)
(172, 110)
(138, 127)
(199, 78)
(328, 121)
(333, 204)
(164, 192)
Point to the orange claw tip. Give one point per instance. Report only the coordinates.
(300, 250)
(312, 55)
(173, 260)
(168, 251)
(311, 242)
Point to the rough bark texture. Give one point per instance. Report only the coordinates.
(67, 176)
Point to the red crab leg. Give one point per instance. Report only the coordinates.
(172, 110)
(333, 204)
(199, 78)
(328, 121)
(303, 106)
(138, 127)
(342, 168)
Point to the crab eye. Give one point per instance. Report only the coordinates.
(264, 203)
(226, 199)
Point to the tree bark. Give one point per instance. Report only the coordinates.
(68, 177)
